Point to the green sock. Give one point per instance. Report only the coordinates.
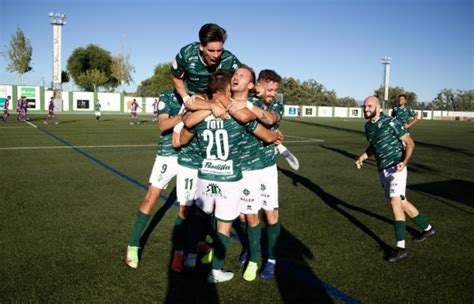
(244, 234)
(400, 230)
(420, 221)
(273, 232)
(179, 233)
(221, 245)
(138, 228)
(254, 234)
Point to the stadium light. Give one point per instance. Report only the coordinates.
(386, 62)
(57, 20)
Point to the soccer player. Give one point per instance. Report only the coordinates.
(97, 107)
(155, 110)
(133, 110)
(404, 114)
(385, 136)
(221, 143)
(164, 169)
(268, 111)
(24, 108)
(51, 114)
(196, 61)
(6, 110)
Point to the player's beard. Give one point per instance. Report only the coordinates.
(370, 115)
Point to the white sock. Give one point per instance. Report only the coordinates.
(401, 244)
(271, 261)
(428, 228)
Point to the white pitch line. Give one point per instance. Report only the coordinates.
(72, 147)
(14, 128)
(307, 138)
(33, 125)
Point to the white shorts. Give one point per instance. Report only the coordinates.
(221, 197)
(269, 188)
(98, 114)
(186, 181)
(250, 197)
(394, 183)
(164, 169)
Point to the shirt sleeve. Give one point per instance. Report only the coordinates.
(397, 129)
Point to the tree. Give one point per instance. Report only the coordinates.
(93, 78)
(65, 77)
(393, 94)
(448, 100)
(159, 82)
(92, 57)
(347, 102)
(122, 69)
(19, 54)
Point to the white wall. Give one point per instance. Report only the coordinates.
(324, 111)
(426, 115)
(109, 101)
(6, 90)
(355, 112)
(149, 104)
(340, 112)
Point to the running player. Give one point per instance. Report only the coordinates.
(133, 110)
(403, 113)
(97, 107)
(164, 169)
(385, 136)
(6, 110)
(51, 114)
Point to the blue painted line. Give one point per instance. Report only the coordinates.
(305, 275)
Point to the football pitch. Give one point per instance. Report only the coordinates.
(69, 194)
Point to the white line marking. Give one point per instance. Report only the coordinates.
(307, 138)
(14, 128)
(72, 147)
(34, 126)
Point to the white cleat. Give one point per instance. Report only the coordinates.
(219, 276)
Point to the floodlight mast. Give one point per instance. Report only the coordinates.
(57, 20)
(386, 62)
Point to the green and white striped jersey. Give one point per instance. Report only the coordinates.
(196, 73)
(384, 137)
(403, 115)
(220, 143)
(170, 105)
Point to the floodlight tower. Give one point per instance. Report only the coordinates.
(386, 62)
(57, 20)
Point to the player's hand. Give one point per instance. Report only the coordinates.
(406, 126)
(400, 166)
(219, 111)
(236, 105)
(359, 163)
(280, 138)
(191, 100)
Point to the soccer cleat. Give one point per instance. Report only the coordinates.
(177, 264)
(243, 257)
(424, 235)
(219, 276)
(207, 258)
(268, 271)
(190, 261)
(289, 157)
(132, 256)
(397, 254)
(250, 272)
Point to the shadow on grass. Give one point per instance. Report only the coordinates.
(419, 143)
(157, 218)
(296, 280)
(369, 162)
(190, 286)
(457, 190)
(66, 122)
(338, 205)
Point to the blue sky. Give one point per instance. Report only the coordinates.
(336, 42)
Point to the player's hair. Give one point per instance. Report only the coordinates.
(402, 95)
(269, 75)
(211, 32)
(219, 81)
